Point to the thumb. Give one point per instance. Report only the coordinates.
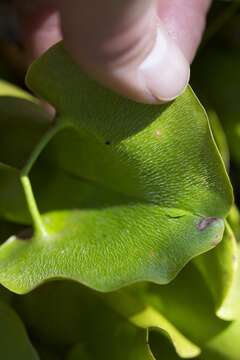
(124, 45)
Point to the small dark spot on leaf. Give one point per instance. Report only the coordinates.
(108, 142)
(206, 222)
(25, 234)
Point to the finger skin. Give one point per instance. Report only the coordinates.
(185, 21)
(124, 45)
(141, 49)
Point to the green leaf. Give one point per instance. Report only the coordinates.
(104, 264)
(14, 342)
(220, 90)
(180, 317)
(225, 346)
(234, 221)
(128, 196)
(219, 137)
(104, 334)
(99, 324)
(231, 306)
(220, 270)
(128, 343)
(144, 314)
(187, 304)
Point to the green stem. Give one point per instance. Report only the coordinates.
(32, 206)
(40, 146)
(27, 187)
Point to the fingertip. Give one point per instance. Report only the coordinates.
(165, 70)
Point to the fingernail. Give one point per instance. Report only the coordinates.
(165, 71)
